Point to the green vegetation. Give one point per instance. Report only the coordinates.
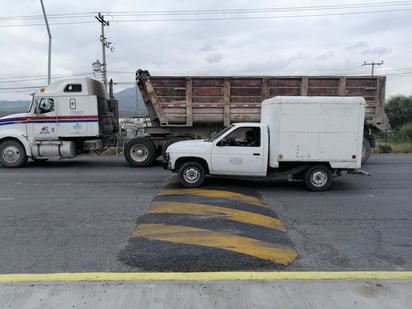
(399, 111)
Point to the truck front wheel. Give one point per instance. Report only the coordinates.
(318, 178)
(12, 154)
(191, 174)
(140, 152)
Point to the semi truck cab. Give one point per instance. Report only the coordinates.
(67, 118)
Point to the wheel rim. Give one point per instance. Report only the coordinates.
(319, 179)
(191, 175)
(139, 153)
(11, 154)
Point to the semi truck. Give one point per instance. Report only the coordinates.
(182, 107)
(298, 138)
(68, 118)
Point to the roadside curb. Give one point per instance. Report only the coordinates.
(205, 276)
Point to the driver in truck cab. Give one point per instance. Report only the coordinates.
(252, 137)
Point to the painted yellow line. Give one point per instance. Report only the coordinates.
(216, 211)
(206, 276)
(239, 197)
(206, 238)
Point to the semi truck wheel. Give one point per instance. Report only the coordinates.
(366, 150)
(12, 154)
(318, 178)
(191, 175)
(140, 152)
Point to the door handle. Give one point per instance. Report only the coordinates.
(256, 154)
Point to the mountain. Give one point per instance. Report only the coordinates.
(129, 101)
(13, 107)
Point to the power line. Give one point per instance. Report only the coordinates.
(26, 78)
(14, 80)
(262, 10)
(119, 16)
(218, 11)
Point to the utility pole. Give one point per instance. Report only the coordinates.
(50, 42)
(105, 44)
(373, 63)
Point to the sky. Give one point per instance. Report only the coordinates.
(208, 37)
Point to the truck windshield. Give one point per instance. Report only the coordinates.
(216, 136)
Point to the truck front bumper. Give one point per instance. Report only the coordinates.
(166, 164)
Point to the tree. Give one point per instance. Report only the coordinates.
(399, 110)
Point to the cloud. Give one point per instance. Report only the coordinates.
(279, 46)
(214, 58)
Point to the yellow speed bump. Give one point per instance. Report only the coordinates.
(206, 238)
(216, 211)
(239, 197)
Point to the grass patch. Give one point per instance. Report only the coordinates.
(392, 147)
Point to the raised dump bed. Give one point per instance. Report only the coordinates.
(220, 100)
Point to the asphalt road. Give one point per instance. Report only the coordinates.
(361, 223)
(88, 215)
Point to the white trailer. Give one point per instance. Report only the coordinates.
(310, 139)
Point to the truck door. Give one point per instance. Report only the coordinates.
(241, 152)
(43, 123)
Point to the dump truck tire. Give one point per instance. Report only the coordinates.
(140, 152)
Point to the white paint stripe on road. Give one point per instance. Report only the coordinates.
(6, 198)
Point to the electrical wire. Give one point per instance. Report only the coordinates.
(88, 17)
(203, 15)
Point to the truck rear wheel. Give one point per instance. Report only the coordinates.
(191, 174)
(318, 178)
(366, 150)
(140, 152)
(12, 154)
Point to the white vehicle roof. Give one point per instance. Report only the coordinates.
(74, 86)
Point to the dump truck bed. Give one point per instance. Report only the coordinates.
(186, 101)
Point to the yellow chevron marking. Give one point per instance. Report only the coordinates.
(239, 197)
(216, 211)
(207, 238)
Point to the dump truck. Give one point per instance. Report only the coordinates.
(183, 107)
(311, 139)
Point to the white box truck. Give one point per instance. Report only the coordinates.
(310, 139)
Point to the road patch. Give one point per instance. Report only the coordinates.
(208, 229)
(223, 194)
(207, 238)
(216, 211)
